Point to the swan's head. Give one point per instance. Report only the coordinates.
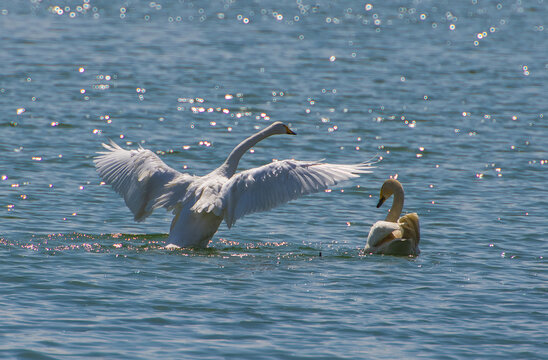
(280, 128)
(389, 187)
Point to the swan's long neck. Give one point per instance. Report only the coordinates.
(231, 163)
(397, 205)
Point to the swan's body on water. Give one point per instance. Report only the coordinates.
(200, 204)
(395, 235)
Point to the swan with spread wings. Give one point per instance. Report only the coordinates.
(200, 204)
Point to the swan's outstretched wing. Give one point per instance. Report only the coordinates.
(379, 231)
(140, 177)
(265, 187)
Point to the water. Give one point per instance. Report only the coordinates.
(451, 95)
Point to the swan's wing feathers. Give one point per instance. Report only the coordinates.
(379, 231)
(410, 226)
(176, 191)
(270, 185)
(139, 176)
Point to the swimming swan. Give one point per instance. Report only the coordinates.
(394, 236)
(201, 203)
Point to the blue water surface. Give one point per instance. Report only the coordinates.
(451, 95)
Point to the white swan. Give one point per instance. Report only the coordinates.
(394, 236)
(201, 203)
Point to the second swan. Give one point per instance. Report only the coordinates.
(395, 235)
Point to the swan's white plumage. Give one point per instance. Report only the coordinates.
(270, 185)
(201, 203)
(379, 231)
(139, 176)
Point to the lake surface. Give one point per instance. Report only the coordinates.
(452, 95)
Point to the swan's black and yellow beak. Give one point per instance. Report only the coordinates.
(381, 201)
(289, 131)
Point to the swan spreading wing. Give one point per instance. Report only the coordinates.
(139, 176)
(270, 185)
(201, 203)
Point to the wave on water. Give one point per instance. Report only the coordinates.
(106, 243)
(127, 244)
(88, 242)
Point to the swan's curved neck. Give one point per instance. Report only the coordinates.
(231, 163)
(397, 205)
